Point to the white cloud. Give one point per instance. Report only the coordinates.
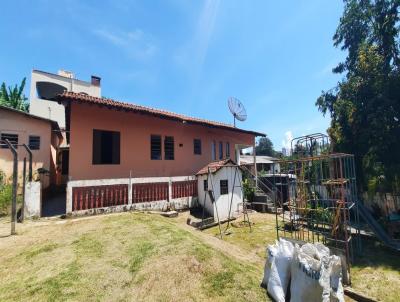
(286, 143)
(194, 51)
(135, 43)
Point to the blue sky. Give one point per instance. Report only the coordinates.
(186, 56)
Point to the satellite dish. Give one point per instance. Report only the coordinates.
(237, 109)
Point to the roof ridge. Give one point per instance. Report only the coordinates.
(164, 111)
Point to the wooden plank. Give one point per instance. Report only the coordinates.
(348, 291)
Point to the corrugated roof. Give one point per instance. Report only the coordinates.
(215, 166)
(260, 159)
(78, 97)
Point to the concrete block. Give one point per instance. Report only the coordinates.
(169, 214)
(33, 200)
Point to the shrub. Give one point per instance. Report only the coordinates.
(248, 190)
(5, 198)
(2, 179)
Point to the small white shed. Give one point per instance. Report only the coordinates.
(220, 189)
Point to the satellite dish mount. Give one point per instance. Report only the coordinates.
(237, 109)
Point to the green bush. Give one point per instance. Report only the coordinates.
(5, 195)
(5, 198)
(2, 179)
(320, 214)
(248, 190)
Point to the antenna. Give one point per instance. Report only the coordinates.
(237, 109)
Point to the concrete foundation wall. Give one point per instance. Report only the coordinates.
(33, 200)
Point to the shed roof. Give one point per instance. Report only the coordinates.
(84, 98)
(215, 166)
(260, 159)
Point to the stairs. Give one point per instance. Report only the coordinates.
(263, 196)
(263, 202)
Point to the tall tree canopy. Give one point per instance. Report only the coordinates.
(365, 105)
(265, 147)
(14, 97)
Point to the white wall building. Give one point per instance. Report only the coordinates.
(220, 179)
(264, 163)
(45, 85)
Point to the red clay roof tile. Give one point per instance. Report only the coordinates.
(216, 165)
(80, 97)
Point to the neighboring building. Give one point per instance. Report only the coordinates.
(40, 134)
(45, 86)
(110, 139)
(264, 163)
(219, 189)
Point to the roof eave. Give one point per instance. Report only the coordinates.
(62, 98)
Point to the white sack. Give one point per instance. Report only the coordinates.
(272, 250)
(308, 271)
(316, 276)
(277, 269)
(337, 293)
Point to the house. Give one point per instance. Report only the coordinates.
(134, 157)
(109, 139)
(40, 134)
(220, 190)
(125, 155)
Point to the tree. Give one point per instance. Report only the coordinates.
(265, 147)
(365, 105)
(14, 97)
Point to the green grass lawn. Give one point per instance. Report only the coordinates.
(376, 272)
(146, 257)
(121, 257)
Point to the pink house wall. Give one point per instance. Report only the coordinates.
(24, 126)
(135, 132)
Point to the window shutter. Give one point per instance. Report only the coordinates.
(169, 148)
(155, 147)
(116, 140)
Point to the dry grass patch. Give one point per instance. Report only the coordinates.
(124, 257)
(375, 273)
(262, 233)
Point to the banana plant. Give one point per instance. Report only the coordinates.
(14, 97)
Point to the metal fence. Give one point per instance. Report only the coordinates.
(318, 197)
(105, 193)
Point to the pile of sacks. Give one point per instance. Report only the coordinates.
(307, 273)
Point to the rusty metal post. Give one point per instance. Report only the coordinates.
(23, 190)
(30, 160)
(255, 162)
(15, 182)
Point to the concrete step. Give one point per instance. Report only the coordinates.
(169, 214)
(274, 210)
(261, 198)
(197, 222)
